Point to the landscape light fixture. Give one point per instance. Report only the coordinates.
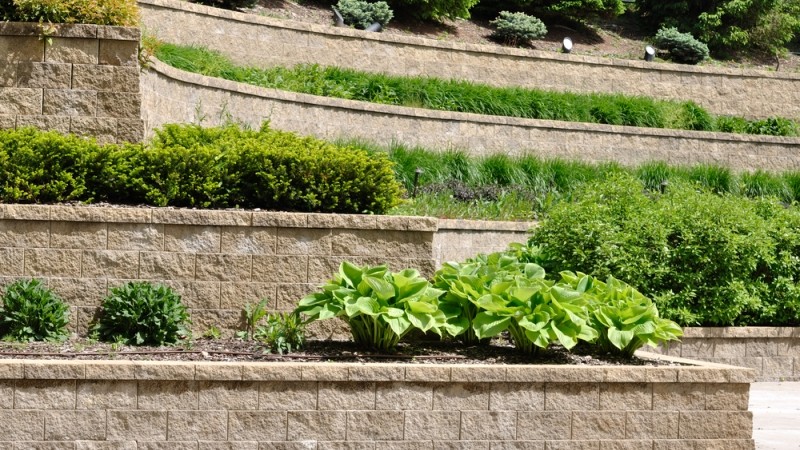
(649, 53)
(417, 173)
(566, 45)
(338, 20)
(374, 27)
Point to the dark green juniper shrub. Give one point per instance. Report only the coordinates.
(140, 313)
(32, 312)
(682, 47)
(516, 28)
(361, 14)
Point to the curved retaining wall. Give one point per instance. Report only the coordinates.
(263, 41)
(170, 95)
(216, 405)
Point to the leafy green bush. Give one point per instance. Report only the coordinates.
(228, 4)
(682, 47)
(705, 259)
(773, 126)
(361, 14)
(98, 12)
(379, 306)
(141, 313)
(517, 28)
(435, 9)
(282, 333)
(32, 312)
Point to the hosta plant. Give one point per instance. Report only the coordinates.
(625, 319)
(32, 312)
(140, 313)
(380, 306)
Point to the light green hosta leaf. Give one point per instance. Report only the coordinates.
(350, 273)
(393, 312)
(564, 295)
(534, 272)
(328, 311)
(585, 284)
(562, 335)
(362, 305)
(635, 313)
(533, 326)
(645, 328)
(456, 325)
(398, 324)
(422, 321)
(407, 288)
(382, 288)
(524, 293)
(539, 338)
(422, 307)
(495, 304)
(618, 338)
(487, 325)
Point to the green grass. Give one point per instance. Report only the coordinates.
(462, 96)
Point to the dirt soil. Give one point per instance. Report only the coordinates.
(620, 38)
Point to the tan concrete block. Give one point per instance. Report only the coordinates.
(249, 240)
(425, 425)
(163, 265)
(20, 101)
(167, 395)
(303, 241)
(194, 239)
(228, 395)
(478, 374)
(289, 295)
(105, 445)
(44, 394)
(135, 236)
(789, 347)
(518, 445)
(11, 261)
(517, 396)
(101, 128)
(407, 223)
(197, 294)
(571, 396)
(172, 445)
(404, 445)
(6, 394)
(12, 369)
(336, 395)
(52, 262)
(78, 235)
(130, 130)
(347, 445)
(461, 396)
(280, 219)
(54, 370)
(761, 347)
(124, 105)
(428, 373)
(20, 425)
(488, 425)
(217, 371)
(53, 123)
(334, 329)
(137, 425)
(203, 218)
(223, 267)
(225, 320)
(102, 395)
(626, 445)
(756, 363)
(261, 426)
(626, 396)
(723, 444)
(92, 77)
(702, 375)
(777, 367)
(280, 269)
(79, 291)
(21, 49)
(24, 233)
(8, 122)
(698, 348)
(730, 348)
(273, 372)
(118, 53)
(404, 396)
(715, 425)
(237, 295)
(539, 374)
(375, 425)
(239, 445)
(377, 372)
(727, 396)
(110, 370)
(381, 243)
(74, 425)
(69, 102)
(43, 75)
(587, 425)
(27, 212)
(194, 425)
(163, 370)
(544, 425)
(110, 264)
(572, 445)
(71, 50)
(119, 33)
(292, 395)
(678, 397)
(349, 221)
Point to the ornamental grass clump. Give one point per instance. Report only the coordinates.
(32, 312)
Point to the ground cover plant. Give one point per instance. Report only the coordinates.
(458, 96)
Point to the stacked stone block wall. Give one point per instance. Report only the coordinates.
(170, 95)
(263, 41)
(773, 352)
(216, 405)
(457, 240)
(81, 79)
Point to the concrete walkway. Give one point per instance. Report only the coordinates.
(776, 415)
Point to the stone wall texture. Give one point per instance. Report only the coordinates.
(216, 405)
(773, 352)
(457, 240)
(81, 79)
(263, 41)
(170, 95)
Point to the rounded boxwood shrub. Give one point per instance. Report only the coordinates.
(682, 47)
(517, 28)
(32, 312)
(140, 313)
(361, 14)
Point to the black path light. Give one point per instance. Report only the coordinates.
(338, 20)
(566, 45)
(417, 173)
(649, 53)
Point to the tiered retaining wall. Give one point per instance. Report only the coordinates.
(263, 41)
(170, 95)
(81, 79)
(208, 405)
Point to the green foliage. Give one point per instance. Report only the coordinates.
(576, 10)
(32, 312)
(435, 9)
(380, 306)
(705, 259)
(228, 4)
(97, 12)
(517, 28)
(252, 315)
(682, 47)
(140, 313)
(282, 333)
(186, 165)
(361, 14)
(773, 126)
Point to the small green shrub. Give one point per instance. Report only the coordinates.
(517, 28)
(32, 312)
(361, 14)
(228, 4)
(97, 12)
(773, 126)
(140, 313)
(693, 117)
(252, 315)
(682, 47)
(282, 333)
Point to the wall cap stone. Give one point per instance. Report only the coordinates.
(485, 225)
(741, 332)
(72, 30)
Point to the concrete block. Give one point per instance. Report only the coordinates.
(197, 295)
(69, 102)
(7, 122)
(21, 49)
(52, 262)
(20, 101)
(430, 374)
(259, 425)
(119, 53)
(478, 374)
(317, 425)
(75, 425)
(6, 394)
(404, 396)
(427, 425)
(130, 130)
(679, 397)
(43, 75)
(777, 367)
(110, 370)
(192, 239)
(459, 397)
(235, 295)
(217, 371)
(80, 291)
(93, 77)
(280, 269)
(222, 267)
(44, 394)
(730, 397)
(651, 425)
(78, 235)
(376, 372)
(110, 264)
(75, 30)
(605, 425)
(163, 370)
(544, 425)
(124, 105)
(384, 243)
(761, 348)
(125, 236)
(101, 128)
(488, 425)
(166, 265)
(11, 261)
(24, 233)
(348, 221)
(21, 425)
(249, 240)
(137, 425)
(167, 395)
(303, 241)
(288, 295)
(202, 218)
(335, 395)
(275, 372)
(626, 396)
(228, 395)
(108, 215)
(280, 219)
(289, 395)
(196, 425)
(72, 50)
(119, 33)
(715, 425)
(374, 425)
(517, 396)
(572, 396)
(323, 268)
(53, 123)
(101, 395)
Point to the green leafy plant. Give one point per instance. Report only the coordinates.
(97, 12)
(213, 332)
(380, 306)
(435, 9)
(282, 333)
(32, 312)
(252, 315)
(517, 28)
(141, 313)
(361, 14)
(682, 47)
